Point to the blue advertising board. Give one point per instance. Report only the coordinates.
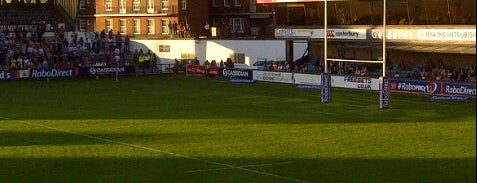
(384, 92)
(97, 71)
(325, 88)
(8, 75)
(417, 87)
(245, 74)
(458, 89)
(52, 73)
(449, 98)
(433, 88)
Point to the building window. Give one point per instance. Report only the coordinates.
(226, 3)
(165, 4)
(237, 25)
(82, 24)
(136, 26)
(150, 26)
(82, 4)
(108, 5)
(108, 24)
(215, 3)
(238, 3)
(150, 6)
(165, 26)
(183, 4)
(122, 26)
(238, 58)
(136, 5)
(122, 6)
(216, 22)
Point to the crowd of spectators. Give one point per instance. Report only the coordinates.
(64, 50)
(434, 71)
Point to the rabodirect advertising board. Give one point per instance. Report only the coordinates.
(7, 75)
(51, 73)
(433, 88)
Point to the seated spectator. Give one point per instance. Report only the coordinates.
(364, 71)
(433, 77)
(357, 71)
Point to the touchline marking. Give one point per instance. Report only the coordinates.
(244, 166)
(160, 151)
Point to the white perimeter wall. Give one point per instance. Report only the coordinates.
(214, 49)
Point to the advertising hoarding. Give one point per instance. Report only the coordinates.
(284, 1)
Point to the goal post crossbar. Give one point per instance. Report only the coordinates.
(361, 61)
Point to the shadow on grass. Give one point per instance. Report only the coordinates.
(177, 97)
(59, 138)
(138, 169)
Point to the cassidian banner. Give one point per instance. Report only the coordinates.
(433, 88)
(236, 73)
(96, 71)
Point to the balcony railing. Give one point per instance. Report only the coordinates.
(171, 10)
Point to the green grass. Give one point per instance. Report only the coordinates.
(170, 128)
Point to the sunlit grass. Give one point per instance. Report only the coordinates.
(177, 129)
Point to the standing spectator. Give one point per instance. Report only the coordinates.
(207, 29)
(207, 67)
(187, 30)
(110, 33)
(40, 30)
(174, 29)
(171, 30)
(118, 39)
(229, 63)
(87, 44)
(221, 64)
(126, 43)
(103, 35)
(32, 33)
(61, 32)
(181, 29)
(18, 33)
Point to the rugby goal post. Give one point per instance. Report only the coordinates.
(384, 91)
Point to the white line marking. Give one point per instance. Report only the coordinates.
(161, 151)
(245, 166)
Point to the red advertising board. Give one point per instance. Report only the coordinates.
(285, 1)
(199, 70)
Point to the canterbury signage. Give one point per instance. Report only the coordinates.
(356, 34)
(371, 34)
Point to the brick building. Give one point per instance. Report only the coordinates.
(241, 18)
(150, 18)
(142, 18)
